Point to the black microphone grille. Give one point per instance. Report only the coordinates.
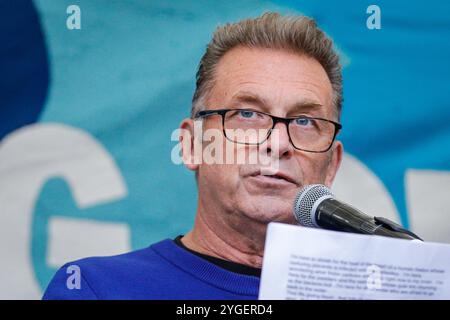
(304, 203)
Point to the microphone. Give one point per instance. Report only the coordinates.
(316, 207)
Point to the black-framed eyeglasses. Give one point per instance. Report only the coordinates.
(251, 127)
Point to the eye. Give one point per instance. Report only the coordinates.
(246, 113)
(302, 121)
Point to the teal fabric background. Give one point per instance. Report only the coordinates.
(127, 78)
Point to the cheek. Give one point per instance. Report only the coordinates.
(220, 169)
(222, 177)
(313, 167)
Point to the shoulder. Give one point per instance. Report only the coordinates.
(99, 277)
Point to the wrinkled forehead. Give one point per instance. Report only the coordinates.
(279, 82)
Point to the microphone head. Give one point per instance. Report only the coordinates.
(306, 202)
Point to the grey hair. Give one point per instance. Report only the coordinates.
(297, 34)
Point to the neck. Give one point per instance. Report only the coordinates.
(237, 241)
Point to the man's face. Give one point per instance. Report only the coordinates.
(283, 84)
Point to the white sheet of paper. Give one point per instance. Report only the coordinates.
(307, 263)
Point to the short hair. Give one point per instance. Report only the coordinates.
(298, 34)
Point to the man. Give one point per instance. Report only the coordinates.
(281, 77)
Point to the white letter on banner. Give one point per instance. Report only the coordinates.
(28, 158)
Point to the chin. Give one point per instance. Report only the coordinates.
(270, 209)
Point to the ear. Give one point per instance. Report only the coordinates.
(188, 145)
(337, 152)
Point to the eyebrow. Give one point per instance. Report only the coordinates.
(304, 105)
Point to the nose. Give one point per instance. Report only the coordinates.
(278, 144)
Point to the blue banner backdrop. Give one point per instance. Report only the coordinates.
(87, 115)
